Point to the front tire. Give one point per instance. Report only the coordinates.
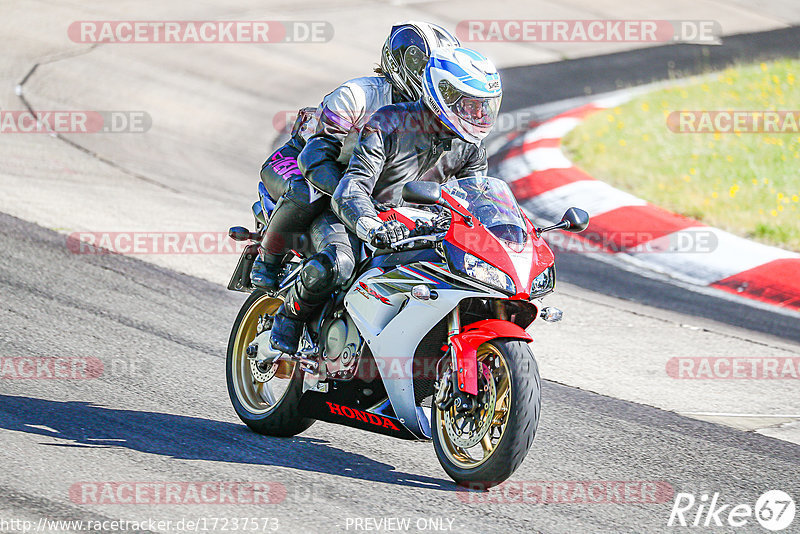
(266, 400)
(486, 449)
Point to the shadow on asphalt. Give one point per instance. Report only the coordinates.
(194, 438)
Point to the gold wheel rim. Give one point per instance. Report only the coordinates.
(256, 396)
(470, 458)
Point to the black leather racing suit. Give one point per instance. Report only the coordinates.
(400, 143)
(281, 167)
(320, 153)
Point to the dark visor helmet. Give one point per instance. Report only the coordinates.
(406, 51)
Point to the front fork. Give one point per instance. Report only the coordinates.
(459, 384)
(456, 384)
(453, 329)
(464, 360)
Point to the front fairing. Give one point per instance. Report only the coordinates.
(522, 262)
(393, 322)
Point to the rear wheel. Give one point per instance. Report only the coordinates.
(266, 399)
(482, 448)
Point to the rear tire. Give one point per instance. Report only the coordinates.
(521, 418)
(281, 418)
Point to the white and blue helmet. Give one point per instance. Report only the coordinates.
(462, 88)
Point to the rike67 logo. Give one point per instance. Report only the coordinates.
(774, 510)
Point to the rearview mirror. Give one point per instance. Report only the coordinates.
(422, 193)
(575, 220)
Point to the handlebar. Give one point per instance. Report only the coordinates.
(434, 238)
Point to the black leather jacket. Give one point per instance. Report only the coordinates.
(401, 143)
(339, 120)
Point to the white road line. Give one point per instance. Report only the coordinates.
(613, 100)
(43, 427)
(724, 414)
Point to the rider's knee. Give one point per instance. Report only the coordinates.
(320, 273)
(329, 269)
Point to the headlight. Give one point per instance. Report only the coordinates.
(488, 274)
(544, 283)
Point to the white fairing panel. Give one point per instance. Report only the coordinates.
(393, 335)
(416, 213)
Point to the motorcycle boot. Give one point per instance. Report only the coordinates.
(312, 287)
(265, 271)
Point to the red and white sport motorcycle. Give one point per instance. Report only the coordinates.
(428, 341)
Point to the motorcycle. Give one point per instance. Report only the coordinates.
(427, 341)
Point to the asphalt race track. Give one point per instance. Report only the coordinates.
(159, 412)
(594, 75)
(167, 419)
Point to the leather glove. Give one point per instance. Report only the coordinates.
(422, 227)
(381, 234)
(442, 222)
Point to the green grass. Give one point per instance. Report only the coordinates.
(746, 183)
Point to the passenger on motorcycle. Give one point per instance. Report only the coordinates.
(400, 143)
(322, 142)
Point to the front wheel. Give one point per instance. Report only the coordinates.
(483, 447)
(266, 399)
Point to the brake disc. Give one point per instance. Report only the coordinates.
(262, 376)
(473, 432)
(259, 375)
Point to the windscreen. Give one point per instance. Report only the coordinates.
(491, 202)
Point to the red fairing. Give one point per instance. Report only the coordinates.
(473, 336)
(393, 214)
(522, 265)
(541, 252)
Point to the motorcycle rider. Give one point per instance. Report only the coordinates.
(400, 143)
(322, 143)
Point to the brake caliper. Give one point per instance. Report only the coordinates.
(445, 386)
(473, 416)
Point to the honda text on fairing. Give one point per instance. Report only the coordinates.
(427, 341)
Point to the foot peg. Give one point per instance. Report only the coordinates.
(261, 351)
(308, 365)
